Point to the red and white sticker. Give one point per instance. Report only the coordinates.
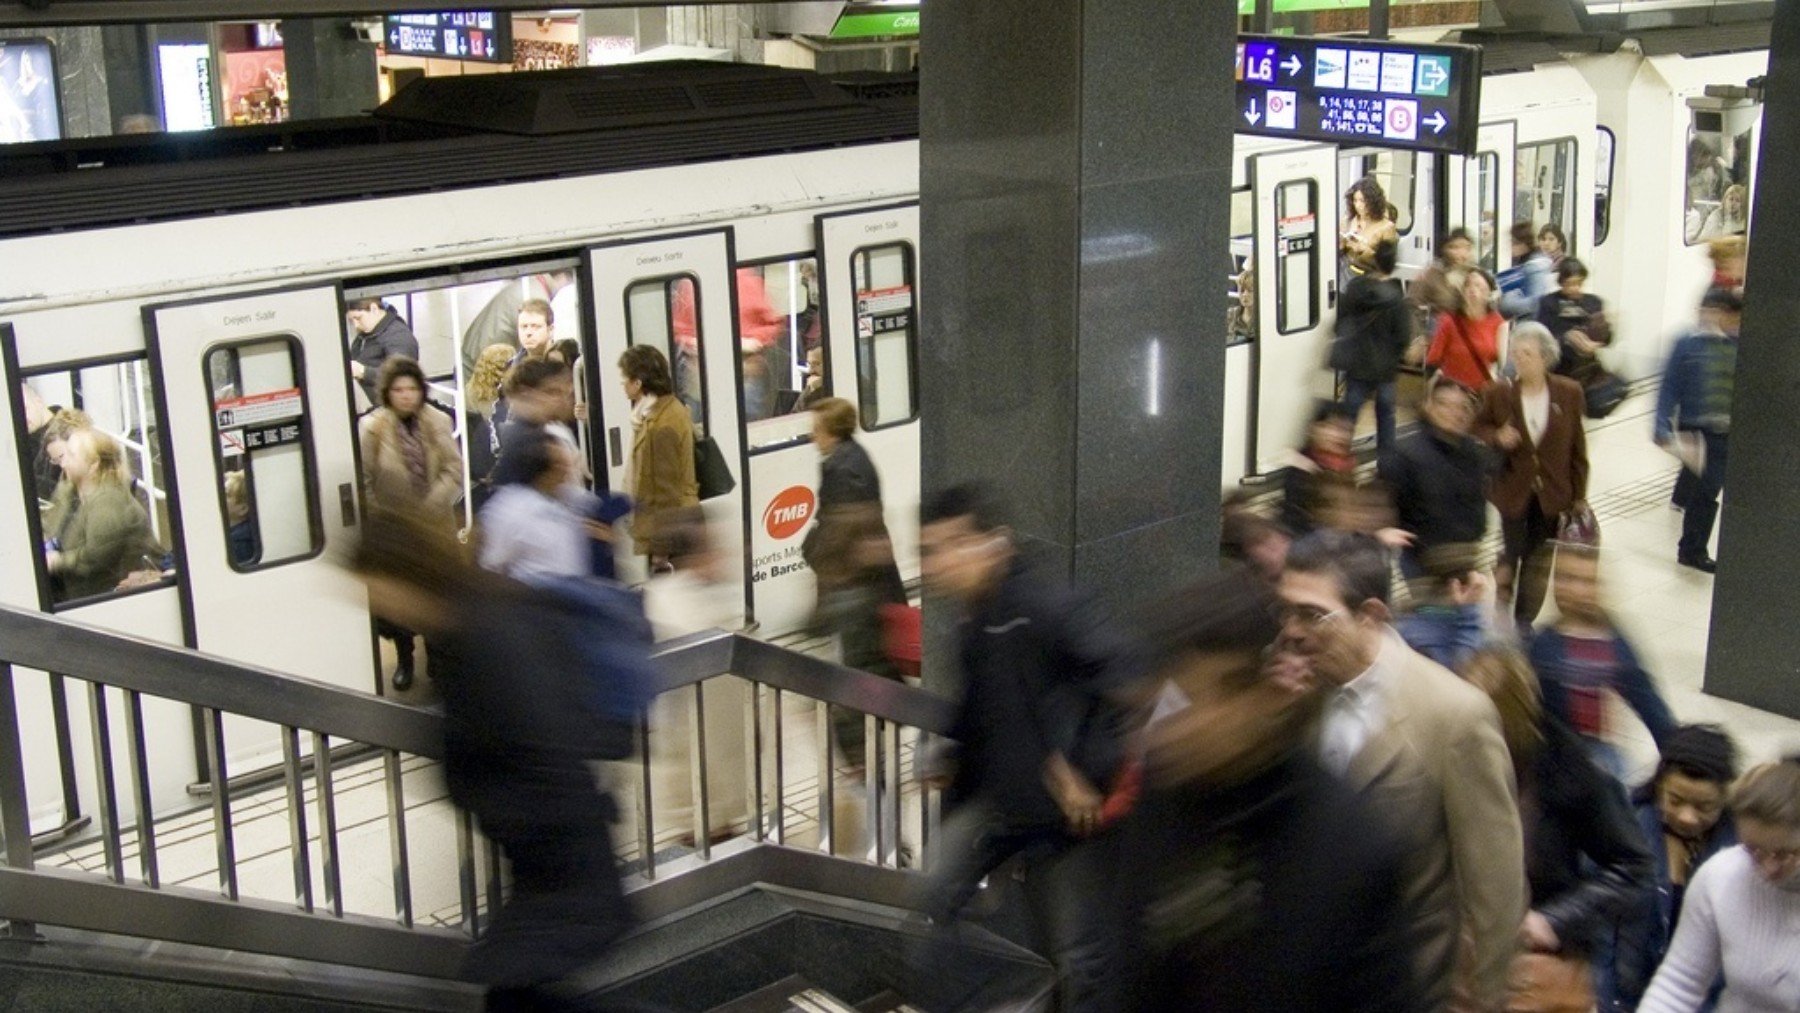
(272, 406)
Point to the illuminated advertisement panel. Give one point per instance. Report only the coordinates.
(29, 107)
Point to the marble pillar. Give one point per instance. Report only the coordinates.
(1075, 183)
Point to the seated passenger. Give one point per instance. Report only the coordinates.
(1577, 320)
(1738, 918)
(1682, 814)
(1584, 657)
(242, 534)
(1585, 860)
(106, 534)
(54, 442)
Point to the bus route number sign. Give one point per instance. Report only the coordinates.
(1358, 91)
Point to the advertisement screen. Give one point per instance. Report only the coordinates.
(29, 109)
(187, 82)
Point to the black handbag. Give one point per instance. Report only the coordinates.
(710, 469)
(1605, 392)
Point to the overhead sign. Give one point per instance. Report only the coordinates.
(854, 24)
(1361, 92)
(454, 35)
(1248, 7)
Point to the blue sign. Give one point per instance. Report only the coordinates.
(454, 35)
(1383, 94)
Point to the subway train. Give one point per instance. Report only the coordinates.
(189, 294)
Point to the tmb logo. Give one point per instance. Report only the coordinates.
(788, 512)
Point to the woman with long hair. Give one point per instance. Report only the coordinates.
(1467, 343)
(105, 534)
(1368, 222)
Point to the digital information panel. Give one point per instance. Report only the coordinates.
(454, 35)
(1360, 92)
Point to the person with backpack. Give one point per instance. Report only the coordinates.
(1374, 330)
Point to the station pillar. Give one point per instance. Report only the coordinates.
(1075, 187)
(1753, 655)
(330, 71)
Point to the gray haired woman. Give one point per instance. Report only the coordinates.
(1534, 421)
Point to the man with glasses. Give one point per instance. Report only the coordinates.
(1424, 748)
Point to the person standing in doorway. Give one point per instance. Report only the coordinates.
(1374, 330)
(662, 476)
(379, 335)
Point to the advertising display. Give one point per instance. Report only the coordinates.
(186, 75)
(453, 35)
(29, 107)
(1356, 91)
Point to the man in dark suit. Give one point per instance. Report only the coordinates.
(1424, 749)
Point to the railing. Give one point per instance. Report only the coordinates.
(130, 892)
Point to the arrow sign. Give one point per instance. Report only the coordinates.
(1294, 65)
(1436, 122)
(1254, 115)
(1432, 76)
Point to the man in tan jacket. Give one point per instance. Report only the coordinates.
(1425, 748)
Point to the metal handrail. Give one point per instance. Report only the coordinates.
(121, 670)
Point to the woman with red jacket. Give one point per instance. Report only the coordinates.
(1467, 343)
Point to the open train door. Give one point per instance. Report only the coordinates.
(674, 293)
(263, 485)
(869, 264)
(1295, 192)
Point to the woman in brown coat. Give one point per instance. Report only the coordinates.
(662, 451)
(411, 466)
(1536, 421)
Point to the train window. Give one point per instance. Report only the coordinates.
(1487, 174)
(1546, 187)
(665, 314)
(1396, 172)
(887, 308)
(784, 360)
(94, 476)
(264, 453)
(1605, 152)
(1718, 180)
(1296, 256)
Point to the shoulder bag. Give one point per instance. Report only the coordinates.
(710, 469)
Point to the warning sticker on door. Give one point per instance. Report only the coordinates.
(273, 406)
(880, 310)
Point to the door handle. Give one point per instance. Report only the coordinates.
(347, 503)
(1331, 295)
(615, 445)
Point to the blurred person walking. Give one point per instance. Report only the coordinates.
(1439, 476)
(1682, 815)
(661, 478)
(1535, 422)
(1584, 657)
(1253, 879)
(1452, 609)
(1424, 749)
(1585, 861)
(1036, 746)
(521, 723)
(410, 465)
(1320, 475)
(1374, 332)
(1740, 918)
(1693, 419)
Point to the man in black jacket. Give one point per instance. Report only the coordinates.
(380, 335)
(1438, 476)
(1374, 329)
(1037, 744)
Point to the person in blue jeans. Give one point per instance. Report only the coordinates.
(1374, 330)
(1693, 412)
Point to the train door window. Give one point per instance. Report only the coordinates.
(665, 314)
(1487, 174)
(1604, 153)
(265, 454)
(1546, 187)
(886, 303)
(92, 454)
(467, 327)
(1395, 172)
(1718, 186)
(778, 337)
(1296, 256)
(1240, 281)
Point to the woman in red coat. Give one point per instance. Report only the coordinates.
(1467, 343)
(1536, 421)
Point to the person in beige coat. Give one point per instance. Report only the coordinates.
(662, 451)
(410, 465)
(1426, 749)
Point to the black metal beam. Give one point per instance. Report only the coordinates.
(38, 13)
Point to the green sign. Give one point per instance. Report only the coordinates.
(879, 24)
(1248, 7)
